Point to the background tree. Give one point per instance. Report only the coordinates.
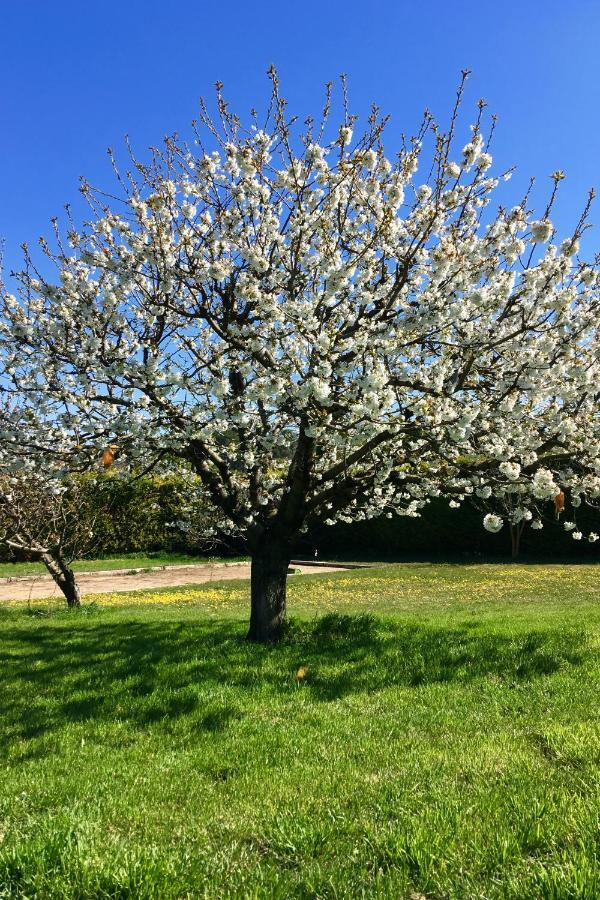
(318, 331)
(49, 520)
(546, 505)
(48, 511)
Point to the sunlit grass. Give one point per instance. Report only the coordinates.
(444, 740)
(124, 561)
(408, 588)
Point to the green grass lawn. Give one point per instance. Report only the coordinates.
(445, 742)
(126, 561)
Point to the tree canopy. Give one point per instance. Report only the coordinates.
(321, 331)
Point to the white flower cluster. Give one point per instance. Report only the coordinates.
(492, 522)
(511, 470)
(541, 231)
(544, 486)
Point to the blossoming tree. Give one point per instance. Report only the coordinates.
(321, 332)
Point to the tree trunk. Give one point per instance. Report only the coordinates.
(515, 538)
(270, 562)
(64, 578)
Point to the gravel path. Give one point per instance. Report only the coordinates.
(36, 587)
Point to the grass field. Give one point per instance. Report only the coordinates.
(445, 741)
(127, 561)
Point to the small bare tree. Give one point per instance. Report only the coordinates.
(50, 521)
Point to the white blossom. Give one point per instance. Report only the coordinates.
(423, 193)
(512, 470)
(492, 523)
(345, 134)
(484, 161)
(541, 231)
(544, 487)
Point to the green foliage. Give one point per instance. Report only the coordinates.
(145, 514)
(141, 514)
(442, 742)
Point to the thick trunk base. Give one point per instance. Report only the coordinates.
(267, 589)
(64, 578)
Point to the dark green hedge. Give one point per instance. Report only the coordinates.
(442, 532)
(138, 514)
(141, 514)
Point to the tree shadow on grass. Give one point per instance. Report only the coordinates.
(372, 655)
(149, 673)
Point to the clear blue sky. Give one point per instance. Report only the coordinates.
(75, 77)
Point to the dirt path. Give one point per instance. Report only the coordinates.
(36, 587)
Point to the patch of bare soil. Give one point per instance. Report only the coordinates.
(119, 581)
